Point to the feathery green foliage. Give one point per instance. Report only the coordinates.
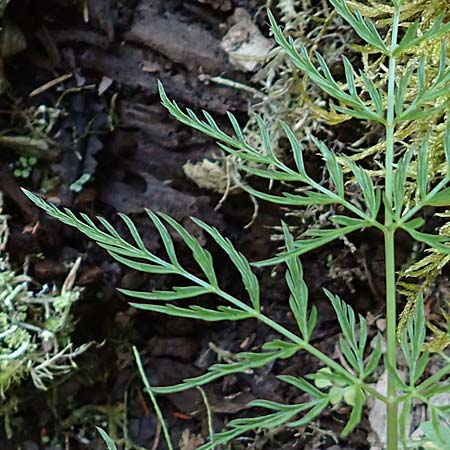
(386, 203)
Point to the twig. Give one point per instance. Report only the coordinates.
(142, 402)
(157, 436)
(233, 84)
(50, 84)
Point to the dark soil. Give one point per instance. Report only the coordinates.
(133, 153)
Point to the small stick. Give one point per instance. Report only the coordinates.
(143, 403)
(157, 436)
(86, 11)
(50, 84)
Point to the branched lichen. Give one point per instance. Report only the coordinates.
(35, 329)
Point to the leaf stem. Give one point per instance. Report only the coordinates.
(305, 346)
(389, 234)
(148, 388)
(286, 333)
(391, 336)
(321, 357)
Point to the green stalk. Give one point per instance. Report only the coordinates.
(389, 243)
(306, 346)
(391, 336)
(150, 393)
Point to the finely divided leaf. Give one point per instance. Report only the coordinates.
(201, 256)
(359, 400)
(197, 312)
(249, 279)
(438, 242)
(364, 28)
(400, 177)
(298, 299)
(333, 166)
(322, 77)
(352, 348)
(442, 198)
(208, 127)
(412, 38)
(304, 246)
(365, 182)
(422, 168)
(245, 362)
(177, 293)
(108, 441)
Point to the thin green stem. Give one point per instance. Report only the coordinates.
(208, 414)
(287, 334)
(321, 357)
(390, 117)
(391, 337)
(389, 234)
(308, 348)
(148, 388)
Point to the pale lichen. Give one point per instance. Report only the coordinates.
(35, 329)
